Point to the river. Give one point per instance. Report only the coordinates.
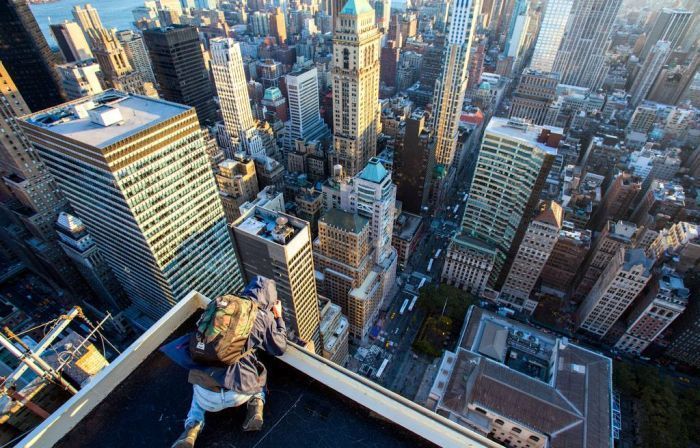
(114, 13)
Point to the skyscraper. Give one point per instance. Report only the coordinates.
(383, 9)
(79, 79)
(27, 57)
(304, 112)
(534, 97)
(137, 53)
(28, 193)
(517, 28)
(623, 279)
(414, 158)
(375, 198)
(358, 281)
(178, 65)
(649, 71)
(554, 20)
(278, 246)
(513, 164)
(116, 70)
(87, 17)
(136, 172)
(231, 85)
(278, 26)
(81, 248)
(537, 244)
(71, 41)
(355, 86)
(451, 86)
(343, 257)
(671, 25)
(665, 300)
(581, 59)
(237, 184)
(613, 236)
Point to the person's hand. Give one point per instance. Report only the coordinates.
(277, 309)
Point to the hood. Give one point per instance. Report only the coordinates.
(262, 291)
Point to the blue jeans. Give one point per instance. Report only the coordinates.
(204, 400)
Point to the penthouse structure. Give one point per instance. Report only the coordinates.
(662, 202)
(275, 245)
(80, 79)
(524, 388)
(135, 170)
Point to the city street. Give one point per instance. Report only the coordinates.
(405, 370)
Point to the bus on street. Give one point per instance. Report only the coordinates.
(381, 368)
(413, 303)
(403, 307)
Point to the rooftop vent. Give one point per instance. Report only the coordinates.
(81, 110)
(105, 115)
(282, 232)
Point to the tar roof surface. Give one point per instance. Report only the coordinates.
(148, 410)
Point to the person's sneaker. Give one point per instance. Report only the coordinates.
(188, 437)
(254, 417)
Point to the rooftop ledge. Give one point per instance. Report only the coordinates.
(396, 410)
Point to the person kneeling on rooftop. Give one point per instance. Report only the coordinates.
(228, 333)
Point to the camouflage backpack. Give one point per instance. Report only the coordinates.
(222, 331)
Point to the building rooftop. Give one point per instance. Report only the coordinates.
(635, 257)
(464, 239)
(350, 222)
(668, 191)
(524, 132)
(122, 115)
(409, 225)
(141, 400)
(572, 407)
(271, 225)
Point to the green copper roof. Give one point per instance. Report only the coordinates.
(350, 222)
(439, 171)
(356, 7)
(374, 171)
(272, 93)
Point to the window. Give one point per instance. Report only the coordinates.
(534, 438)
(498, 421)
(480, 410)
(516, 430)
